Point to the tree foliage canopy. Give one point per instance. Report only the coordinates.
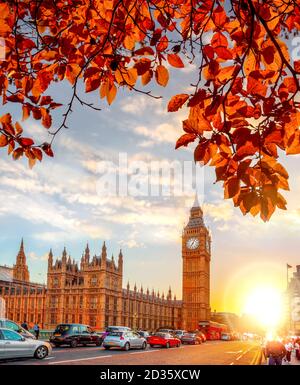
(243, 109)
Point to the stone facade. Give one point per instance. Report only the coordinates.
(293, 295)
(91, 292)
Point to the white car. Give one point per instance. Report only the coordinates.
(13, 345)
(124, 340)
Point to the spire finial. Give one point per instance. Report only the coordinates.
(196, 201)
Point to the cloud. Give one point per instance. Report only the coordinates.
(162, 133)
(35, 257)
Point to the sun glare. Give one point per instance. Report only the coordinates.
(266, 305)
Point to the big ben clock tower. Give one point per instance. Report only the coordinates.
(196, 270)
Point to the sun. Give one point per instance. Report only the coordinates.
(266, 305)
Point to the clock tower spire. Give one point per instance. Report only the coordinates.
(196, 270)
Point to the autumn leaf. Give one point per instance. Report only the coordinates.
(232, 187)
(177, 102)
(72, 71)
(111, 94)
(293, 146)
(3, 141)
(242, 105)
(174, 60)
(162, 75)
(184, 140)
(25, 142)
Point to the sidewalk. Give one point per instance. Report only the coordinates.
(294, 361)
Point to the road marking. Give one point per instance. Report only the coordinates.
(78, 359)
(239, 351)
(232, 363)
(49, 358)
(245, 352)
(64, 349)
(146, 351)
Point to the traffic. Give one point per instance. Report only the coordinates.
(17, 342)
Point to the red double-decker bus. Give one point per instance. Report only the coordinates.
(212, 330)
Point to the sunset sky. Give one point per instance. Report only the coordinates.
(57, 204)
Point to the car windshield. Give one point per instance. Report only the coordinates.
(112, 329)
(62, 328)
(161, 335)
(115, 334)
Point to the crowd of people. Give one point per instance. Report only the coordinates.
(280, 351)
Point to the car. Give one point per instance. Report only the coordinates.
(75, 334)
(117, 329)
(8, 324)
(203, 336)
(161, 330)
(13, 345)
(226, 337)
(179, 333)
(143, 333)
(191, 338)
(124, 340)
(166, 340)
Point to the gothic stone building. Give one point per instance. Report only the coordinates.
(92, 292)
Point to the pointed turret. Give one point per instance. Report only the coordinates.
(169, 297)
(64, 256)
(87, 254)
(20, 269)
(103, 255)
(120, 261)
(113, 261)
(196, 215)
(50, 259)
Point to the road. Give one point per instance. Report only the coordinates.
(209, 353)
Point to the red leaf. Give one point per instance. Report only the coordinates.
(174, 60)
(46, 147)
(25, 142)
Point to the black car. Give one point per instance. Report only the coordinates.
(75, 334)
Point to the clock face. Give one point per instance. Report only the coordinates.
(192, 243)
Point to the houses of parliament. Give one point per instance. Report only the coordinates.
(92, 292)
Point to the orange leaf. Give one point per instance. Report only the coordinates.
(3, 141)
(232, 187)
(294, 144)
(72, 72)
(146, 77)
(162, 75)
(111, 94)
(184, 140)
(177, 102)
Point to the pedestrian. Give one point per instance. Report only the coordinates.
(297, 349)
(275, 351)
(289, 348)
(24, 325)
(36, 330)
